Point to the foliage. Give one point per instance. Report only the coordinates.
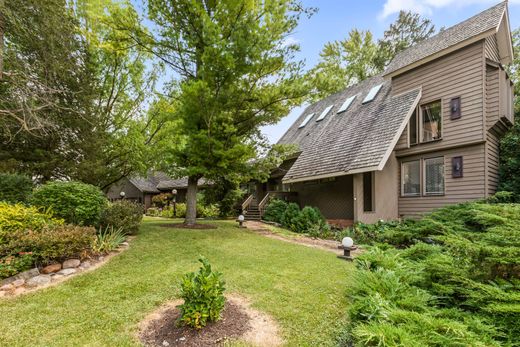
(454, 280)
(203, 294)
(13, 264)
(358, 57)
(509, 144)
(122, 214)
(161, 200)
(50, 243)
(289, 215)
(309, 218)
(108, 239)
(75, 202)
(15, 188)
(275, 210)
(225, 194)
(236, 72)
(153, 212)
(19, 217)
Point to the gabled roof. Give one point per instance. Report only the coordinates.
(143, 184)
(170, 183)
(471, 30)
(357, 140)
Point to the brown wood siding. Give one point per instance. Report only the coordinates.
(335, 199)
(492, 152)
(459, 74)
(492, 96)
(491, 48)
(469, 187)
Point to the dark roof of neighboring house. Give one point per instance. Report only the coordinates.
(157, 181)
(357, 140)
(473, 27)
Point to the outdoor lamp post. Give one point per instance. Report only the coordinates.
(122, 195)
(174, 198)
(347, 244)
(240, 221)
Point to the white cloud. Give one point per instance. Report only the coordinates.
(290, 40)
(426, 7)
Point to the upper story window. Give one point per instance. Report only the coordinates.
(431, 121)
(412, 129)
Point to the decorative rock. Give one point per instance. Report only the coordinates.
(125, 244)
(18, 283)
(57, 277)
(22, 275)
(6, 287)
(165, 343)
(38, 281)
(85, 265)
(67, 272)
(101, 258)
(71, 263)
(19, 290)
(51, 268)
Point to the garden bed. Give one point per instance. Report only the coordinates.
(238, 322)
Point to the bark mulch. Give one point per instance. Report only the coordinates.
(233, 324)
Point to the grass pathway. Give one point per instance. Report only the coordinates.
(301, 287)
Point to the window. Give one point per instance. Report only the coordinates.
(456, 167)
(368, 192)
(346, 104)
(434, 176)
(372, 93)
(455, 108)
(324, 113)
(412, 128)
(306, 120)
(411, 178)
(431, 121)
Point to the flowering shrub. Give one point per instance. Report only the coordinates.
(20, 217)
(161, 200)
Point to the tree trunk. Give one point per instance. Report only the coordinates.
(191, 201)
(2, 25)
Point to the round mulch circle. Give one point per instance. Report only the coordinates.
(164, 330)
(184, 226)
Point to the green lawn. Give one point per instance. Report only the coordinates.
(301, 287)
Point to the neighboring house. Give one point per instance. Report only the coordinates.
(142, 190)
(423, 134)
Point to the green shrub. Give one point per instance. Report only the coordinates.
(153, 212)
(308, 218)
(77, 203)
(108, 239)
(207, 211)
(203, 294)
(19, 217)
(122, 214)
(275, 210)
(50, 243)
(15, 188)
(502, 198)
(290, 215)
(181, 210)
(13, 264)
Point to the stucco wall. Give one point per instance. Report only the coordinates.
(385, 197)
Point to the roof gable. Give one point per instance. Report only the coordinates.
(471, 30)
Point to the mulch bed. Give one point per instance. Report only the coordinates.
(233, 324)
(184, 226)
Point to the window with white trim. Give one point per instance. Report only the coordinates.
(434, 176)
(411, 178)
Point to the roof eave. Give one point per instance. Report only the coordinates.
(504, 39)
(439, 54)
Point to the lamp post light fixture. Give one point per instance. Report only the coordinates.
(174, 198)
(240, 221)
(122, 195)
(347, 245)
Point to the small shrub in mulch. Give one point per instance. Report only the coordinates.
(184, 226)
(233, 324)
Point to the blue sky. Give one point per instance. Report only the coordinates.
(335, 18)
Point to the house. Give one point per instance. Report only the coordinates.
(143, 189)
(423, 134)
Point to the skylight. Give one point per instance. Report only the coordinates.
(324, 113)
(306, 120)
(346, 104)
(372, 93)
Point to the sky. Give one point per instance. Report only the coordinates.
(335, 19)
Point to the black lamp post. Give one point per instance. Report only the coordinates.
(174, 192)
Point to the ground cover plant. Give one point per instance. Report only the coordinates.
(450, 279)
(301, 288)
